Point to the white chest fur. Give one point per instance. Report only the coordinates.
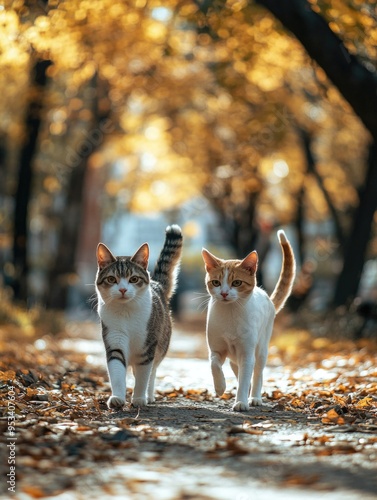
(126, 323)
(241, 322)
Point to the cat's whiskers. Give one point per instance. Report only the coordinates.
(204, 298)
(93, 301)
(136, 299)
(204, 304)
(113, 299)
(241, 303)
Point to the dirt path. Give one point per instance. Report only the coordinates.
(309, 440)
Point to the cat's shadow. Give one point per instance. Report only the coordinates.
(177, 414)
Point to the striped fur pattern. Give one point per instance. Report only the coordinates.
(167, 265)
(240, 319)
(135, 315)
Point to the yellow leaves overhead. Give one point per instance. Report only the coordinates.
(155, 31)
(14, 72)
(190, 92)
(156, 177)
(354, 22)
(75, 32)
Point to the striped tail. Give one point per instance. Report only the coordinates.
(167, 265)
(284, 285)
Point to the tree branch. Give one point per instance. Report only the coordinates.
(354, 81)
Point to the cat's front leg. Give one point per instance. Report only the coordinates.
(117, 373)
(150, 391)
(142, 375)
(244, 375)
(217, 361)
(256, 393)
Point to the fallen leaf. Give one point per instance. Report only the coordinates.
(227, 395)
(332, 417)
(7, 375)
(365, 402)
(297, 403)
(33, 491)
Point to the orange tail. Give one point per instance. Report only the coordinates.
(284, 285)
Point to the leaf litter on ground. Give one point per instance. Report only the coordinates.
(320, 404)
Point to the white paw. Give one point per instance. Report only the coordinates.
(115, 403)
(139, 402)
(240, 406)
(151, 399)
(255, 402)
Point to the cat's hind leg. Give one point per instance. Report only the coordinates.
(217, 361)
(234, 368)
(150, 391)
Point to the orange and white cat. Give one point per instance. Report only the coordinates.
(241, 317)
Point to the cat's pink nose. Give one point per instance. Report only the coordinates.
(224, 294)
(123, 290)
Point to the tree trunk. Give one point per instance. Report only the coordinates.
(312, 169)
(64, 273)
(237, 222)
(62, 276)
(354, 81)
(356, 249)
(299, 224)
(25, 178)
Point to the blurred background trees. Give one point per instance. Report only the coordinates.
(264, 111)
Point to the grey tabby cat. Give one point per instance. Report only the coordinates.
(135, 315)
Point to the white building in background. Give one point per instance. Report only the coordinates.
(124, 232)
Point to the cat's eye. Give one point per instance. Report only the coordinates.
(111, 280)
(236, 283)
(216, 283)
(134, 279)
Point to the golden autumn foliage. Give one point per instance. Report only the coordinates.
(197, 100)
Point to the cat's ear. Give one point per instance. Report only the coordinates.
(141, 257)
(250, 263)
(210, 261)
(104, 256)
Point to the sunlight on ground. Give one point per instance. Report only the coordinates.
(186, 364)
